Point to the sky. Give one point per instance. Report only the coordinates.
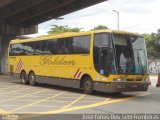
(142, 16)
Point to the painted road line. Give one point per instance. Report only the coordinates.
(15, 91)
(70, 101)
(36, 102)
(3, 112)
(38, 114)
(74, 101)
(15, 86)
(106, 99)
(92, 105)
(93, 102)
(33, 105)
(68, 97)
(14, 98)
(10, 105)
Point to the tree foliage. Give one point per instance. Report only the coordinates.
(153, 44)
(55, 29)
(100, 27)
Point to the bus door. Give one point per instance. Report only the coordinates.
(105, 60)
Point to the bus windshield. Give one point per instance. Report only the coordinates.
(130, 54)
(140, 55)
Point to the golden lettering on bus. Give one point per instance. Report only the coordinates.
(51, 60)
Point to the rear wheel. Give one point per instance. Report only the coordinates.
(32, 79)
(88, 85)
(23, 78)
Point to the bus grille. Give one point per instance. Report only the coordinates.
(129, 79)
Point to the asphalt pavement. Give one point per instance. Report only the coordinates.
(47, 101)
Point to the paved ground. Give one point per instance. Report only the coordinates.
(16, 98)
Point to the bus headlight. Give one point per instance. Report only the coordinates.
(118, 79)
(147, 79)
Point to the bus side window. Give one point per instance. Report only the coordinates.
(37, 48)
(44, 47)
(60, 46)
(14, 50)
(81, 45)
(51, 46)
(28, 48)
(68, 48)
(18, 49)
(64, 46)
(101, 46)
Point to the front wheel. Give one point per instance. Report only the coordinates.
(117, 93)
(88, 85)
(23, 78)
(32, 79)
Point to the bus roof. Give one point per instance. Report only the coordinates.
(71, 34)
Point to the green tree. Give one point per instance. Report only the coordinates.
(149, 38)
(55, 29)
(100, 27)
(153, 44)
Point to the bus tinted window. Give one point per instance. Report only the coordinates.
(71, 45)
(101, 40)
(74, 45)
(29, 48)
(81, 44)
(61, 46)
(65, 45)
(50, 46)
(44, 46)
(38, 48)
(17, 49)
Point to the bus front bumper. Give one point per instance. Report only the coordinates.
(115, 87)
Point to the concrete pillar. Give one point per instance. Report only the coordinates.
(4, 43)
(0, 53)
(7, 33)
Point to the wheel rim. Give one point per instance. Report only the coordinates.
(87, 85)
(32, 78)
(23, 78)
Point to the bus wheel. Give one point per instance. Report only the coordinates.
(23, 78)
(32, 79)
(88, 85)
(117, 93)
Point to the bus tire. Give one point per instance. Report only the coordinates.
(88, 85)
(117, 93)
(23, 78)
(32, 79)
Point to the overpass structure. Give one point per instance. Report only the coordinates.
(21, 17)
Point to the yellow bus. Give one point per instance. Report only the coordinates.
(103, 60)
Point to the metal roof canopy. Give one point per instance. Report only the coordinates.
(26, 13)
